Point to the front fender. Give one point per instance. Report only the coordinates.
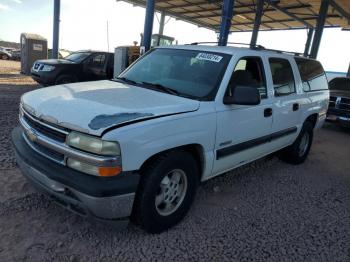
(143, 140)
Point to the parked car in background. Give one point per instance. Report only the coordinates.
(77, 67)
(16, 55)
(140, 145)
(4, 54)
(339, 102)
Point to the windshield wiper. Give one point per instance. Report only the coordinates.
(124, 79)
(162, 88)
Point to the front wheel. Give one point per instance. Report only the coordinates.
(65, 79)
(297, 152)
(166, 192)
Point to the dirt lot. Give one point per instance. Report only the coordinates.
(267, 211)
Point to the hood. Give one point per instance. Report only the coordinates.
(56, 62)
(341, 93)
(92, 107)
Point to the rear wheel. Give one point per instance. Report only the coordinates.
(166, 192)
(4, 57)
(299, 150)
(65, 79)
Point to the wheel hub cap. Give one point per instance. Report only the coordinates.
(304, 144)
(171, 192)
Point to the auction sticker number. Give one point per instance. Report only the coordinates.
(209, 57)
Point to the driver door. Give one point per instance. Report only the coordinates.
(242, 131)
(95, 67)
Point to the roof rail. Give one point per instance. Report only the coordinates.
(255, 47)
(231, 43)
(285, 52)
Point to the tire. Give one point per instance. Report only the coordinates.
(65, 79)
(297, 152)
(4, 57)
(151, 211)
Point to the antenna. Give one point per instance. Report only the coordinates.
(107, 37)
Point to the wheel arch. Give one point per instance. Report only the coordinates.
(196, 150)
(312, 119)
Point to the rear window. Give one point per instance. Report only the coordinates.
(340, 84)
(312, 75)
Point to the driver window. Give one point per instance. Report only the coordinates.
(97, 60)
(249, 71)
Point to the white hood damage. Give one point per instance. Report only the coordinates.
(92, 107)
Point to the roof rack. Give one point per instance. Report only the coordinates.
(285, 52)
(231, 43)
(255, 47)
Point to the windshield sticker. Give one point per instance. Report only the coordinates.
(209, 57)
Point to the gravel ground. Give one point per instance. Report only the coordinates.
(266, 211)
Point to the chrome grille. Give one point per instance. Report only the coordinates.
(44, 129)
(339, 103)
(37, 126)
(50, 141)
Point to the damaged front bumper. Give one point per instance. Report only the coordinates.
(109, 199)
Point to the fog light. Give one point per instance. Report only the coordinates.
(82, 167)
(93, 170)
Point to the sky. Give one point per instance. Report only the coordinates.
(84, 26)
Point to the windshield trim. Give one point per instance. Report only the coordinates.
(210, 97)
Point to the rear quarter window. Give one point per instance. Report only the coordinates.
(312, 75)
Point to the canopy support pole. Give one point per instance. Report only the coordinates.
(322, 16)
(310, 34)
(56, 28)
(161, 23)
(148, 26)
(226, 17)
(257, 22)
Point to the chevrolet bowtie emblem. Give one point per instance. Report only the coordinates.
(337, 102)
(31, 135)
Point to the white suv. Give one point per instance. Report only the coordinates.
(139, 145)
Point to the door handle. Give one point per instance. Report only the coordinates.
(295, 107)
(267, 112)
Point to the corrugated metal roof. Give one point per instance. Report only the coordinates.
(277, 15)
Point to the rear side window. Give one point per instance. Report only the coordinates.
(282, 76)
(312, 75)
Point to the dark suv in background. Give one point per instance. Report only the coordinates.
(77, 67)
(339, 101)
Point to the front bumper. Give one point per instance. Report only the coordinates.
(44, 78)
(108, 199)
(342, 120)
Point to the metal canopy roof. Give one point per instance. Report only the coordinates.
(277, 14)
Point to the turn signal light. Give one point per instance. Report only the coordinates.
(109, 171)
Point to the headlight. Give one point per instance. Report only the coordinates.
(93, 145)
(48, 68)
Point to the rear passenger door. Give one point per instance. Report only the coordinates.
(286, 104)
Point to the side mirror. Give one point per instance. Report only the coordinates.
(243, 95)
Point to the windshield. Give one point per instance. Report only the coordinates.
(340, 84)
(77, 57)
(188, 73)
